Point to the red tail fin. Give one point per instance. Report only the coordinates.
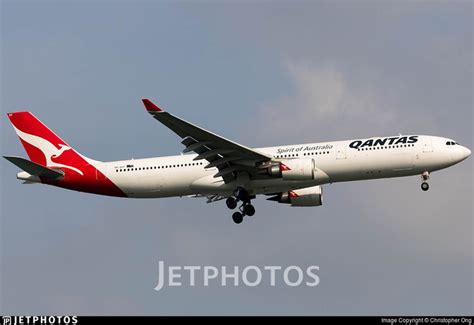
(43, 146)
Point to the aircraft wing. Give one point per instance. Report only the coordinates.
(227, 156)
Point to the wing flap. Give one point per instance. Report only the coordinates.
(196, 146)
(220, 161)
(226, 171)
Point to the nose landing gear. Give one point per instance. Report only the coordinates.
(246, 209)
(425, 176)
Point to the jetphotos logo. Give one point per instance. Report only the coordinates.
(34, 320)
(235, 276)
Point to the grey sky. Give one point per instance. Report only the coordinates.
(261, 74)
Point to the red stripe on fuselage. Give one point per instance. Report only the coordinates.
(93, 181)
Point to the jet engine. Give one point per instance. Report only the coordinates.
(293, 169)
(304, 197)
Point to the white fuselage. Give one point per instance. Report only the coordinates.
(337, 161)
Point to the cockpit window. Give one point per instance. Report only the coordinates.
(451, 143)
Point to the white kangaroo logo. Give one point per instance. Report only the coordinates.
(47, 148)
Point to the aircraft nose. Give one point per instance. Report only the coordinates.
(465, 152)
(459, 153)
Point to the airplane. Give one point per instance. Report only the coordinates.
(216, 168)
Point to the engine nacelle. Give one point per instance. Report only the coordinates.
(293, 169)
(304, 197)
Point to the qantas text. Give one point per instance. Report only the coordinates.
(383, 141)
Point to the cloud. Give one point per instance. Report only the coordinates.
(328, 104)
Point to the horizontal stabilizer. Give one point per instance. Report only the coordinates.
(34, 168)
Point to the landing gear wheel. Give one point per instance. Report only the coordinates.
(248, 210)
(425, 186)
(237, 217)
(231, 203)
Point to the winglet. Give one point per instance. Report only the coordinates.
(150, 107)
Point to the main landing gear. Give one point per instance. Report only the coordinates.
(425, 176)
(231, 202)
(246, 208)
